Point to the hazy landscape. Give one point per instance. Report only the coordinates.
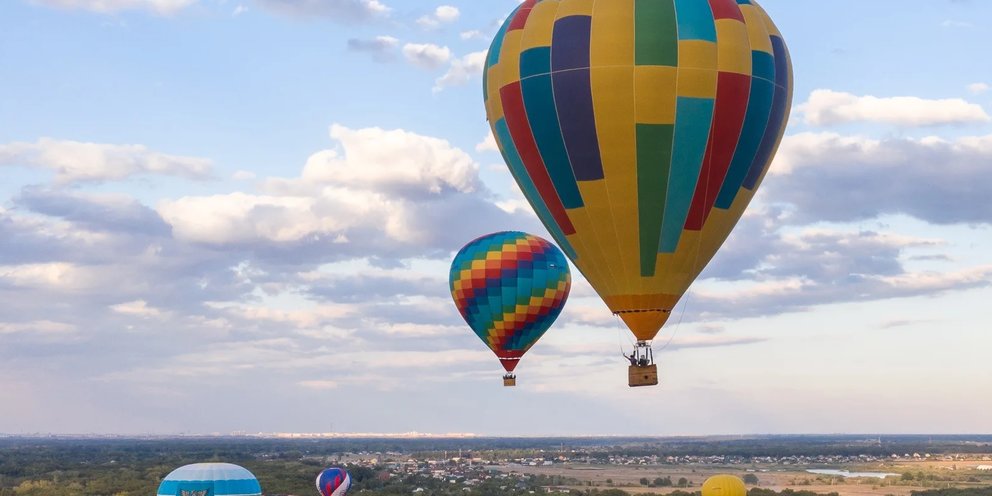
(476, 466)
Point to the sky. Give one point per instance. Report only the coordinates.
(238, 216)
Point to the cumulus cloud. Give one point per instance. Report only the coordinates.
(827, 108)
(340, 10)
(381, 48)
(831, 177)
(393, 161)
(444, 14)
(385, 195)
(161, 7)
(426, 55)
(78, 162)
(462, 71)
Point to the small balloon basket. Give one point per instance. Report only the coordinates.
(643, 371)
(509, 380)
(639, 376)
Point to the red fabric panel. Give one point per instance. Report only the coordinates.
(726, 9)
(523, 138)
(732, 93)
(520, 19)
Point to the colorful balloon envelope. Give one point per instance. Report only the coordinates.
(210, 479)
(510, 287)
(333, 481)
(639, 131)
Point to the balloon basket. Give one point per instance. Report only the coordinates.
(509, 380)
(643, 371)
(642, 375)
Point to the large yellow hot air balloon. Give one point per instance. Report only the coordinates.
(724, 485)
(639, 131)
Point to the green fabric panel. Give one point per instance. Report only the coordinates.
(656, 33)
(654, 162)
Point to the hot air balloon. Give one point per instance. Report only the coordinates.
(639, 131)
(510, 287)
(210, 479)
(333, 481)
(724, 485)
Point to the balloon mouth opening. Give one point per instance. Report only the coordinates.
(509, 364)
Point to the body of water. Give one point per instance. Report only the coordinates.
(848, 474)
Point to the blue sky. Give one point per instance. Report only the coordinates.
(224, 215)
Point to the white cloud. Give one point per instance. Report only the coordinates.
(488, 144)
(828, 176)
(385, 190)
(42, 327)
(426, 55)
(462, 71)
(445, 14)
(243, 218)
(339, 10)
(137, 308)
(979, 88)
(53, 276)
(392, 160)
(473, 34)
(162, 7)
(827, 107)
(74, 161)
(320, 385)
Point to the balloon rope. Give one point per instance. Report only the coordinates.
(620, 329)
(678, 325)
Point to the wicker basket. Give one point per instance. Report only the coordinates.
(646, 375)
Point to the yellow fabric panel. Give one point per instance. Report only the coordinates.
(540, 26)
(654, 92)
(592, 266)
(575, 7)
(613, 34)
(591, 249)
(697, 83)
(618, 147)
(494, 102)
(757, 33)
(645, 326)
(675, 269)
(698, 54)
(509, 66)
(596, 197)
(733, 48)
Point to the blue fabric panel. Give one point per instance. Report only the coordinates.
(693, 117)
(535, 61)
(759, 107)
(539, 102)
(571, 43)
(519, 172)
(777, 118)
(695, 20)
(573, 96)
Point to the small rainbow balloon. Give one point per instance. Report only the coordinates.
(510, 287)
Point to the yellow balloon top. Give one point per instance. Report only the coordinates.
(724, 485)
